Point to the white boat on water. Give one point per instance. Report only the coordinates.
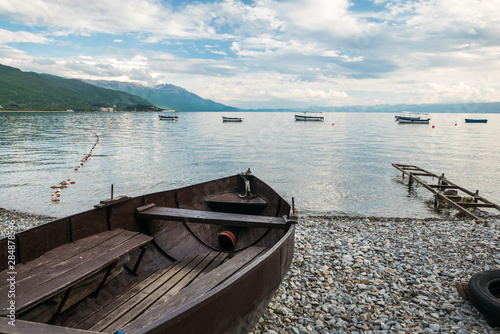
(412, 117)
(310, 116)
(232, 119)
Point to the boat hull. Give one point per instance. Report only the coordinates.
(168, 118)
(412, 117)
(309, 118)
(232, 119)
(470, 120)
(404, 120)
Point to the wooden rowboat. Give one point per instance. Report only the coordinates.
(205, 258)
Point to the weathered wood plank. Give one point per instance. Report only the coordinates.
(168, 303)
(40, 275)
(476, 205)
(61, 253)
(124, 304)
(181, 274)
(215, 263)
(210, 217)
(23, 327)
(180, 280)
(107, 306)
(443, 186)
(232, 198)
(54, 279)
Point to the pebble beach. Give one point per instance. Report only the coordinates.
(382, 275)
(371, 275)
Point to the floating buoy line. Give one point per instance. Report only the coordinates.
(66, 183)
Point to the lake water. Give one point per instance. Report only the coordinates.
(341, 166)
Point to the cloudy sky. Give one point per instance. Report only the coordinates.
(267, 53)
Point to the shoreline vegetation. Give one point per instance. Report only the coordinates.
(1, 110)
(371, 274)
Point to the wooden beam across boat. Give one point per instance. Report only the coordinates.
(152, 211)
(413, 173)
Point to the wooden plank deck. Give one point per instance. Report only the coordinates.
(172, 301)
(211, 217)
(65, 266)
(168, 280)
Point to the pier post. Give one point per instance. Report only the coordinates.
(410, 181)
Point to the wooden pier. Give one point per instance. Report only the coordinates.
(447, 192)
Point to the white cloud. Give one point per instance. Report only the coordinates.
(7, 36)
(331, 17)
(84, 17)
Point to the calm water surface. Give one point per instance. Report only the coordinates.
(341, 166)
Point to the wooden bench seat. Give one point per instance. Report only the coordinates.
(152, 211)
(23, 327)
(62, 268)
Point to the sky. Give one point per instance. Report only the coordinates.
(267, 53)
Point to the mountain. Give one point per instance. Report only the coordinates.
(32, 91)
(466, 108)
(165, 96)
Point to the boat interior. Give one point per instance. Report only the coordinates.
(130, 261)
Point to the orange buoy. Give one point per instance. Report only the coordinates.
(110, 122)
(69, 179)
(433, 126)
(76, 168)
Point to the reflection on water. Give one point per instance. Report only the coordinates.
(340, 166)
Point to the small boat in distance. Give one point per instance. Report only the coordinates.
(205, 258)
(170, 117)
(309, 116)
(232, 119)
(408, 117)
(476, 120)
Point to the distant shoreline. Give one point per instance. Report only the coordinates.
(37, 111)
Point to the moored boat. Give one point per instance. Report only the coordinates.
(309, 116)
(232, 119)
(412, 117)
(168, 117)
(476, 120)
(205, 258)
(403, 120)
